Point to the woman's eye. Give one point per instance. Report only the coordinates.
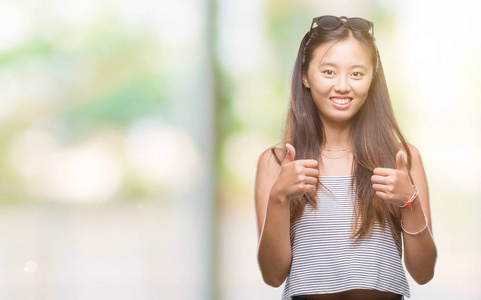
(357, 74)
(328, 72)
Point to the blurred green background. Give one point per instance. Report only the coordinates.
(130, 133)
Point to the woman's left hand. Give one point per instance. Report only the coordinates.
(393, 185)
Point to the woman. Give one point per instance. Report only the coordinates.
(333, 204)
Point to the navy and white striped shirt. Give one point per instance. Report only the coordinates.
(326, 260)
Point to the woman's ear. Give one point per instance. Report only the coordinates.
(305, 82)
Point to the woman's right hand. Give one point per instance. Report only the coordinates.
(296, 176)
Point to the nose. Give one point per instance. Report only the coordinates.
(342, 85)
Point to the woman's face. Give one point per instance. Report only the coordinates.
(339, 76)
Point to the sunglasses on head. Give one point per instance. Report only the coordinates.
(332, 22)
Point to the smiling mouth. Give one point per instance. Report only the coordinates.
(340, 100)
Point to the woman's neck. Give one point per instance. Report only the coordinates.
(337, 136)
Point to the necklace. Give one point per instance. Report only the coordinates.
(346, 149)
(335, 157)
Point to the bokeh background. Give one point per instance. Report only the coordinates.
(130, 133)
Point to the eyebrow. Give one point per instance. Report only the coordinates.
(327, 63)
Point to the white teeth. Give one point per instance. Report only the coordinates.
(341, 101)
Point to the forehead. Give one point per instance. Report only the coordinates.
(345, 52)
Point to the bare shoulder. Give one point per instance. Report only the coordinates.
(417, 172)
(271, 158)
(269, 166)
(414, 152)
(415, 155)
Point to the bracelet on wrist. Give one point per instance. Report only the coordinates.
(417, 232)
(410, 201)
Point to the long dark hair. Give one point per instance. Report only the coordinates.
(374, 132)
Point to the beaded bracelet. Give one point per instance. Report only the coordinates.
(418, 232)
(410, 201)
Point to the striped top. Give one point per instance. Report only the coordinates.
(325, 259)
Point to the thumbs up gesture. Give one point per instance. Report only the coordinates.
(296, 176)
(393, 185)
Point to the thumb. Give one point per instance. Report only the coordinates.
(291, 154)
(400, 161)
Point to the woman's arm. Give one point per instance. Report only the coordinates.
(394, 186)
(419, 250)
(273, 213)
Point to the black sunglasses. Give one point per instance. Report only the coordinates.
(332, 22)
